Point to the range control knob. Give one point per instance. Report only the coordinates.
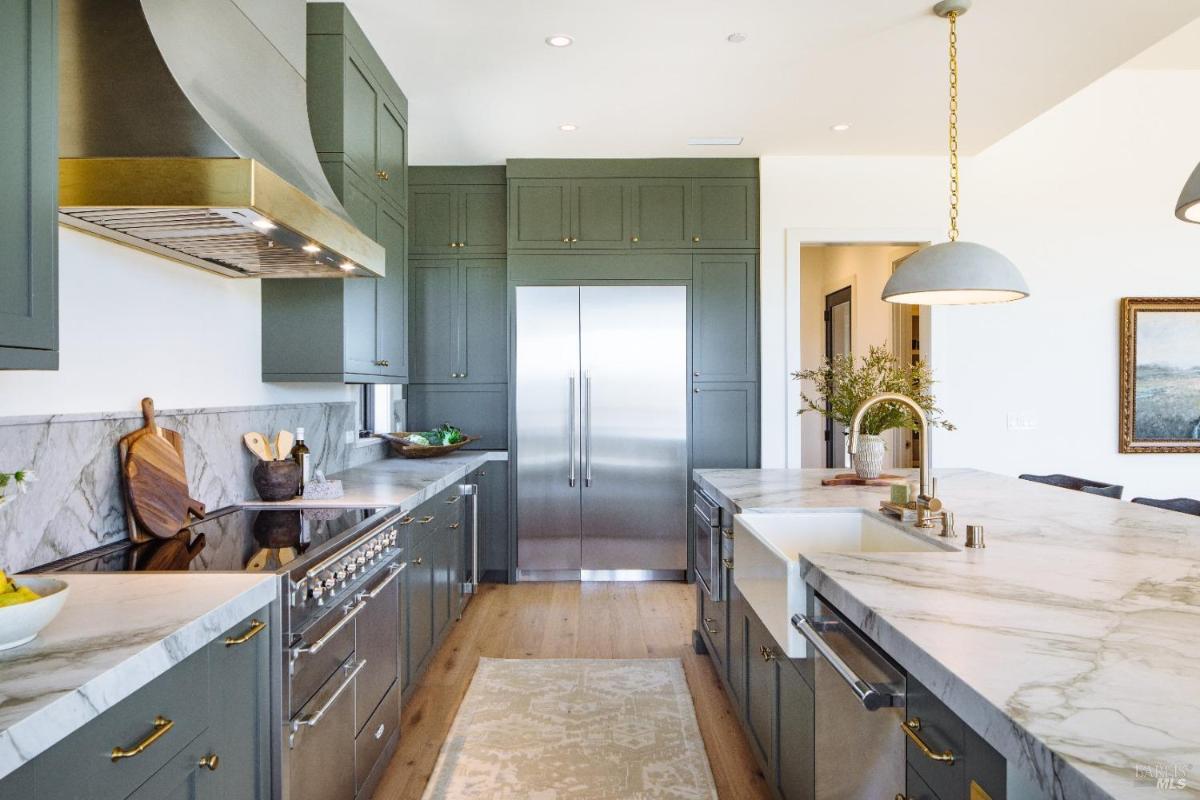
(329, 581)
(362, 559)
(351, 566)
(317, 591)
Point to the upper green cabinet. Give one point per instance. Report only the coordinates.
(459, 331)
(356, 111)
(725, 317)
(353, 330)
(457, 220)
(29, 175)
(597, 207)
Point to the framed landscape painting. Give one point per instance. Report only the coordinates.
(1160, 375)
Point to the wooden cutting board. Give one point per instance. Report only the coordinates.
(157, 501)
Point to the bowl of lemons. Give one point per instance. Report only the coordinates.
(28, 604)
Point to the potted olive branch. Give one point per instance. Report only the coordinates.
(840, 386)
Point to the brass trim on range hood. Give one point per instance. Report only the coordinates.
(232, 216)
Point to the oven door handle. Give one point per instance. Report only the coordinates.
(312, 719)
(352, 611)
(871, 697)
(394, 571)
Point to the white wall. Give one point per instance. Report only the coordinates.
(134, 324)
(1082, 200)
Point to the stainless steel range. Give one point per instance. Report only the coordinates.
(335, 702)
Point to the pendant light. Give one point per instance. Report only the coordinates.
(954, 272)
(1188, 207)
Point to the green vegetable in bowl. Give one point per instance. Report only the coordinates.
(418, 439)
(449, 434)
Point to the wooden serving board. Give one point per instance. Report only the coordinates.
(157, 503)
(850, 479)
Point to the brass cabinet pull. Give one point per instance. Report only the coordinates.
(256, 627)
(418, 561)
(910, 729)
(727, 533)
(455, 525)
(382, 363)
(381, 174)
(696, 239)
(211, 761)
(708, 621)
(408, 521)
(728, 562)
(768, 653)
(453, 500)
(427, 520)
(161, 726)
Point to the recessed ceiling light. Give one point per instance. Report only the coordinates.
(311, 248)
(841, 127)
(263, 224)
(559, 40)
(736, 38)
(568, 127)
(715, 140)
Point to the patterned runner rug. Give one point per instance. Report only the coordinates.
(577, 729)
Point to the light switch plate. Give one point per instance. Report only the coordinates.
(1019, 421)
(350, 437)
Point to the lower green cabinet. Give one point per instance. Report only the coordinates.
(724, 425)
(420, 605)
(758, 652)
(239, 678)
(737, 648)
(188, 775)
(493, 522)
(796, 777)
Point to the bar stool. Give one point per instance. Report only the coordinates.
(1184, 505)
(1078, 484)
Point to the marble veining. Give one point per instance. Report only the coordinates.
(1071, 643)
(116, 633)
(401, 482)
(77, 504)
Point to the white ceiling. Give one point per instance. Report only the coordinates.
(645, 75)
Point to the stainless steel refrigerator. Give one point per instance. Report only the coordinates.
(601, 430)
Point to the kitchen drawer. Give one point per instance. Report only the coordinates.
(239, 662)
(377, 641)
(188, 776)
(942, 731)
(310, 671)
(375, 735)
(322, 748)
(713, 622)
(81, 765)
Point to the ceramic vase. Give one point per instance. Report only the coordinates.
(868, 461)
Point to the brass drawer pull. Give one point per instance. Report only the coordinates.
(418, 561)
(427, 520)
(256, 627)
(727, 533)
(455, 525)
(708, 621)
(408, 520)
(161, 726)
(456, 497)
(211, 761)
(910, 729)
(768, 653)
(728, 562)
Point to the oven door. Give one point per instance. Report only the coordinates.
(321, 740)
(708, 546)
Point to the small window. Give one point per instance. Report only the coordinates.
(376, 410)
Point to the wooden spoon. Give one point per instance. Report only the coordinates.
(284, 441)
(257, 444)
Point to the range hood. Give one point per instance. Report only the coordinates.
(183, 130)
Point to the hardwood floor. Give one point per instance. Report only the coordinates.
(570, 620)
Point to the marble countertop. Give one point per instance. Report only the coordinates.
(116, 633)
(1071, 643)
(402, 482)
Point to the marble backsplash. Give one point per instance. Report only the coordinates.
(76, 502)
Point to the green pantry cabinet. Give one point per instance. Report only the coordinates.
(29, 174)
(350, 330)
(458, 279)
(217, 747)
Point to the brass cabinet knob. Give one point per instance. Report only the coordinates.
(768, 653)
(634, 239)
(382, 363)
(418, 561)
(727, 562)
(695, 374)
(382, 175)
(574, 240)
(407, 521)
(462, 244)
(566, 240)
(455, 526)
(425, 521)
(211, 761)
(696, 239)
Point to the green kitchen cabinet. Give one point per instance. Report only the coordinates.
(351, 330)
(725, 213)
(29, 174)
(459, 331)
(737, 645)
(493, 522)
(759, 654)
(421, 569)
(795, 777)
(724, 317)
(184, 777)
(240, 678)
(479, 409)
(562, 214)
(357, 113)
(458, 220)
(725, 425)
(661, 214)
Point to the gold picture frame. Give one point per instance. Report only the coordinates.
(1166, 426)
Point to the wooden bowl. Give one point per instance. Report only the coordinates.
(403, 448)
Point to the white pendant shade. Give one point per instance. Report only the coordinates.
(955, 273)
(1188, 207)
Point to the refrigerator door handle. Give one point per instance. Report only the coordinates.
(574, 434)
(587, 422)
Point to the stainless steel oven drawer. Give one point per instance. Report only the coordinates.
(310, 671)
(321, 740)
(375, 736)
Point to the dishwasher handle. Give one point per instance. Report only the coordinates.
(871, 696)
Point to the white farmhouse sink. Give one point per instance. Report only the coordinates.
(768, 571)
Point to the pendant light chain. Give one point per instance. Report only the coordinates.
(953, 16)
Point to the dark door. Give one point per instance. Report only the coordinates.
(837, 343)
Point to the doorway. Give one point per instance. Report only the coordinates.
(838, 342)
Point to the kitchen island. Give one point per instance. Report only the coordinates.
(1069, 644)
(116, 634)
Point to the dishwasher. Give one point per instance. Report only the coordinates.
(859, 707)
